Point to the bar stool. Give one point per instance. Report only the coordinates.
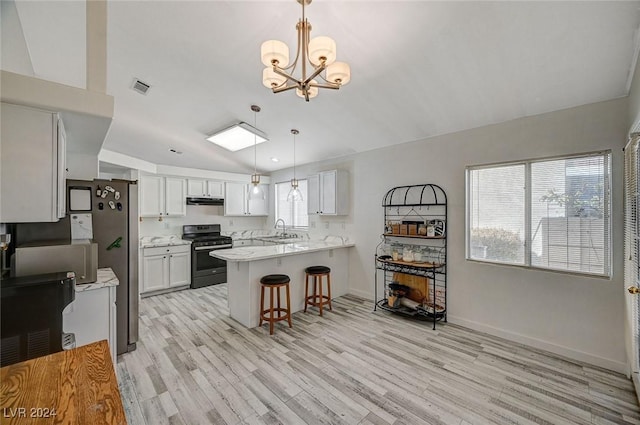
(317, 298)
(273, 282)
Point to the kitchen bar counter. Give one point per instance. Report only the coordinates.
(248, 264)
(78, 386)
(253, 253)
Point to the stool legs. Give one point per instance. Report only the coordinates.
(275, 307)
(317, 298)
(288, 306)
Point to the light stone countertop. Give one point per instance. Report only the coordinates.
(253, 253)
(106, 277)
(154, 241)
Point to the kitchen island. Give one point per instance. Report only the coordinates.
(247, 265)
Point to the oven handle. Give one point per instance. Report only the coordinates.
(212, 247)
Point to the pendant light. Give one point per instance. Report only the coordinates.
(294, 194)
(255, 192)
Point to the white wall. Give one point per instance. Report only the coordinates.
(576, 316)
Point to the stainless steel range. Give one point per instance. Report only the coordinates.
(206, 270)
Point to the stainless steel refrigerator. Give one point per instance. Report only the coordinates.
(115, 229)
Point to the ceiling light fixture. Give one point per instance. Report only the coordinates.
(274, 159)
(238, 136)
(294, 194)
(255, 192)
(320, 53)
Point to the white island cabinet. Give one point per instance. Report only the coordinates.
(246, 265)
(32, 165)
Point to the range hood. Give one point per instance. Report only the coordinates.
(205, 201)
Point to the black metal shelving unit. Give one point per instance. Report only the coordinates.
(410, 206)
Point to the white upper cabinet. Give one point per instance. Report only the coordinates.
(328, 193)
(201, 188)
(32, 165)
(237, 202)
(162, 196)
(175, 197)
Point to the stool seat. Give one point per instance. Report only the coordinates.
(275, 279)
(275, 313)
(317, 270)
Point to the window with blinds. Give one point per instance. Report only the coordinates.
(552, 214)
(294, 214)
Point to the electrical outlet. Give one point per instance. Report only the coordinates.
(166, 225)
(331, 253)
(279, 262)
(230, 222)
(344, 225)
(313, 224)
(326, 225)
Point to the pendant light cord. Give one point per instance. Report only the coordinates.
(255, 155)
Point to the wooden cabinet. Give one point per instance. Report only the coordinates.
(162, 196)
(165, 268)
(205, 188)
(32, 165)
(237, 202)
(328, 193)
(92, 317)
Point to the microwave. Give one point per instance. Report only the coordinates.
(80, 257)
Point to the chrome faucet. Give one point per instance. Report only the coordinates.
(284, 228)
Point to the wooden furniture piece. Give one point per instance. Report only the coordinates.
(317, 298)
(78, 386)
(274, 282)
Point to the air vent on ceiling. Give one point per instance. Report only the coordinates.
(140, 87)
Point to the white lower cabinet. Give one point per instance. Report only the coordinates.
(165, 268)
(92, 317)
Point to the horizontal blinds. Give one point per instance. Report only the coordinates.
(570, 214)
(496, 214)
(552, 214)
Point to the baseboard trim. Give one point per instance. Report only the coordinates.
(609, 364)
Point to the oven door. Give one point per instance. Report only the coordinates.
(205, 269)
(203, 263)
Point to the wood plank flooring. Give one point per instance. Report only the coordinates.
(195, 365)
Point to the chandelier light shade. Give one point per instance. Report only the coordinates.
(255, 192)
(294, 194)
(315, 60)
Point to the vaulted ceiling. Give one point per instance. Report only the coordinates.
(419, 69)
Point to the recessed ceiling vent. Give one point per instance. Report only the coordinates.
(140, 87)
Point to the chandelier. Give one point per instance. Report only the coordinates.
(319, 54)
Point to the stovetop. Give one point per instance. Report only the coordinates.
(205, 234)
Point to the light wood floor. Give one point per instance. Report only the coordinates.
(194, 365)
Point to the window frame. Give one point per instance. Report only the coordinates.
(608, 213)
(276, 214)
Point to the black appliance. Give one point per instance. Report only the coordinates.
(31, 315)
(205, 201)
(205, 269)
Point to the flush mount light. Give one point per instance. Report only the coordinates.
(238, 136)
(274, 159)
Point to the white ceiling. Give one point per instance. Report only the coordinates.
(418, 68)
